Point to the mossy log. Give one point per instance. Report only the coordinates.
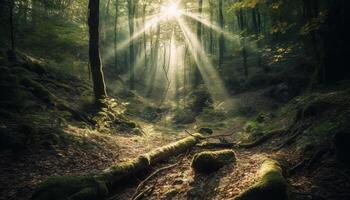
(271, 184)
(99, 186)
(210, 161)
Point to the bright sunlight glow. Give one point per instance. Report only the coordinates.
(171, 10)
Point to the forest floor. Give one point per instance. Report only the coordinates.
(76, 148)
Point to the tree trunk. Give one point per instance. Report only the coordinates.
(131, 13)
(197, 75)
(221, 39)
(244, 50)
(154, 62)
(12, 51)
(94, 54)
(144, 33)
(337, 42)
(116, 37)
(211, 39)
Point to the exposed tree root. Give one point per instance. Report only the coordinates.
(295, 134)
(99, 186)
(262, 139)
(255, 143)
(271, 184)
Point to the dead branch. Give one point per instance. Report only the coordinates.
(143, 193)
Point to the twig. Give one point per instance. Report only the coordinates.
(142, 194)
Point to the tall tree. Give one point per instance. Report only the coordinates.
(94, 53)
(131, 18)
(211, 37)
(197, 75)
(11, 52)
(116, 35)
(221, 37)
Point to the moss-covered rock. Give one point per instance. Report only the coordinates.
(271, 184)
(210, 161)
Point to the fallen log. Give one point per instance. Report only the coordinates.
(99, 186)
(210, 161)
(271, 184)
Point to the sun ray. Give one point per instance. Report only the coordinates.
(149, 24)
(210, 76)
(230, 36)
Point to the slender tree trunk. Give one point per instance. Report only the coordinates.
(131, 11)
(12, 27)
(256, 22)
(144, 33)
(197, 75)
(12, 52)
(244, 50)
(211, 39)
(221, 38)
(94, 54)
(116, 36)
(154, 62)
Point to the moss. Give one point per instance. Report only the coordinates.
(210, 161)
(173, 148)
(271, 184)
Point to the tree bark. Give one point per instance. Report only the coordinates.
(221, 38)
(131, 15)
(94, 54)
(197, 75)
(116, 36)
(211, 37)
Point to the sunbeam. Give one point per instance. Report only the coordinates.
(149, 24)
(210, 76)
(230, 36)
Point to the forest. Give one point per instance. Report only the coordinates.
(174, 99)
